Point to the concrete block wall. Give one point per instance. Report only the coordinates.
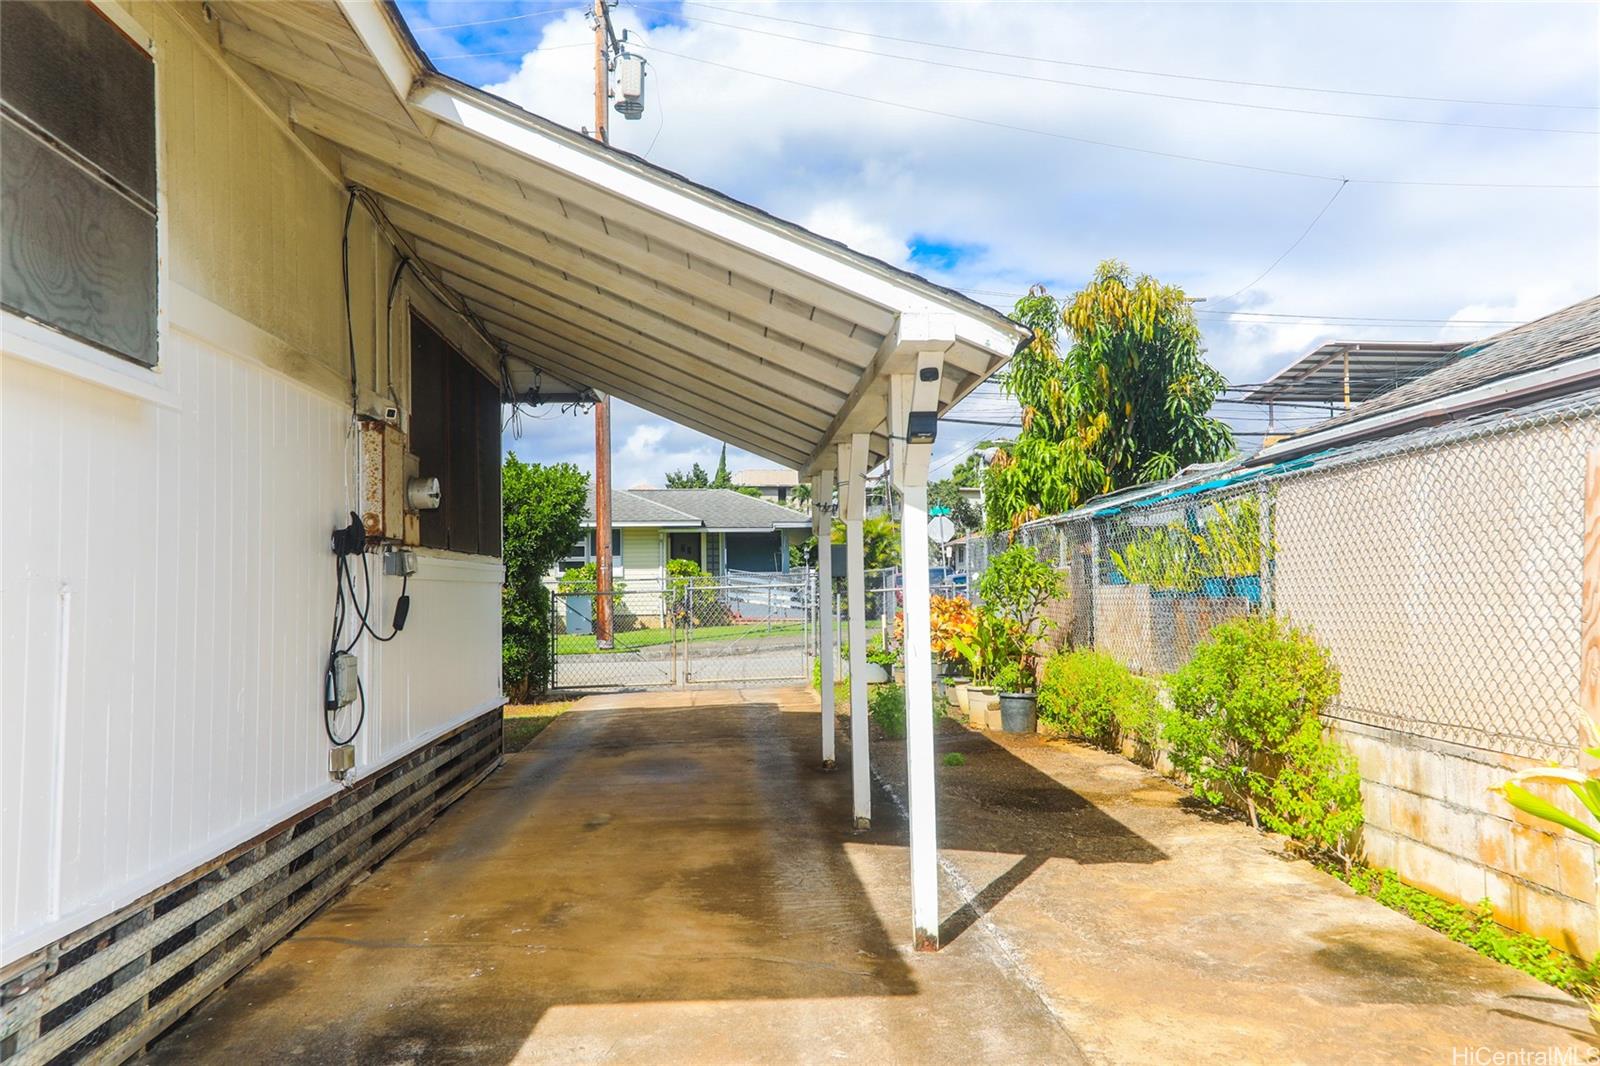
(1432, 817)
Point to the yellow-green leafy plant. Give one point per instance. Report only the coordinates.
(1161, 558)
(1586, 788)
(1229, 541)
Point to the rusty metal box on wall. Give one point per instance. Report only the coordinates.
(383, 479)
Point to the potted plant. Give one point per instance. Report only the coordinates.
(1017, 702)
(989, 647)
(881, 661)
(1015, 588)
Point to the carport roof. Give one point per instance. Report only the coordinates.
(597, 267)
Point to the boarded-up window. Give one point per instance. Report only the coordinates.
(455, 435)
(78, 176)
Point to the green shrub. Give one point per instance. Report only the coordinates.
(955, 758)
(879, 652)
(1011, 678)
(1091, 695)
(886, 705)
(1245, 727)
(542, 512)
(1315, 797)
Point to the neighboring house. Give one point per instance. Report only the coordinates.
(265, 268)
(720, 529)
(775, 485)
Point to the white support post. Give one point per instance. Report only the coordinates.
(822, 523)
(917, 392)
(853, 499)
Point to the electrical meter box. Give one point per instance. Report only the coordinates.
(383, 479)
(630, 86)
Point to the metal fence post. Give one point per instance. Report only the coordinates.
(1094, 576)
(1265, 522)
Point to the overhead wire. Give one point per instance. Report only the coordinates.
(1122, 89)
(1159, 153)
(1303, 235)
(505, 18)
(1143, 72)
(1354, 320)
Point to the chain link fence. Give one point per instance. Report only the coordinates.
(1442, 568)
(748, 632)
(681, 631)
(643, 651)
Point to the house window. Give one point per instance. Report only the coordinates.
(78, 176)
(455, 435)
(583, 551)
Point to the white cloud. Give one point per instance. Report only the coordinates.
(1046, 209)
(841, 221)
(644, 440)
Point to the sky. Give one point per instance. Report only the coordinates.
(971, 143)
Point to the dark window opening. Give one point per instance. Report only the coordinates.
(78, 176)
(455, 435)
(685, 546)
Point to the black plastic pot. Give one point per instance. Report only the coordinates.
(1019, 712)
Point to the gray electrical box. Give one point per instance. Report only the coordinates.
(341, 759)
(344, 679)
(400, 562)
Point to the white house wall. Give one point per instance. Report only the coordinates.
(167, 581)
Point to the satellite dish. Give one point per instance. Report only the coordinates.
(941, 529)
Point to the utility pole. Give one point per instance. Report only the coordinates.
(602, 408)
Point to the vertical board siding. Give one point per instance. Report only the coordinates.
(179, 690)
(194, 546)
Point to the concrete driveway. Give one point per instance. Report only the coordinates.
(667, 877)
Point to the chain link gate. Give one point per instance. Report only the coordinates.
(684, 631)
(756, 632)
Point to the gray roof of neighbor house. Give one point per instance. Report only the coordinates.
(1564, 336)
(709, 509)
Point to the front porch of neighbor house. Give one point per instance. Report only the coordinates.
(667, 877)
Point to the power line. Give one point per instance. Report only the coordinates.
(1119, 88)
(1303, 234)
(1363, 320)
(1031, 131)
(491, 22)
(1353, 320)
(510, 51)
(1144, 72)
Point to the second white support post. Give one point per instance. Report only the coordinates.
(822, 522)
(853, 499)
(911, 442)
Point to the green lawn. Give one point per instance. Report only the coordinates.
(524, 721)
(572, 644)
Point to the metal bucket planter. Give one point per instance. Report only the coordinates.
(1019, 712)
